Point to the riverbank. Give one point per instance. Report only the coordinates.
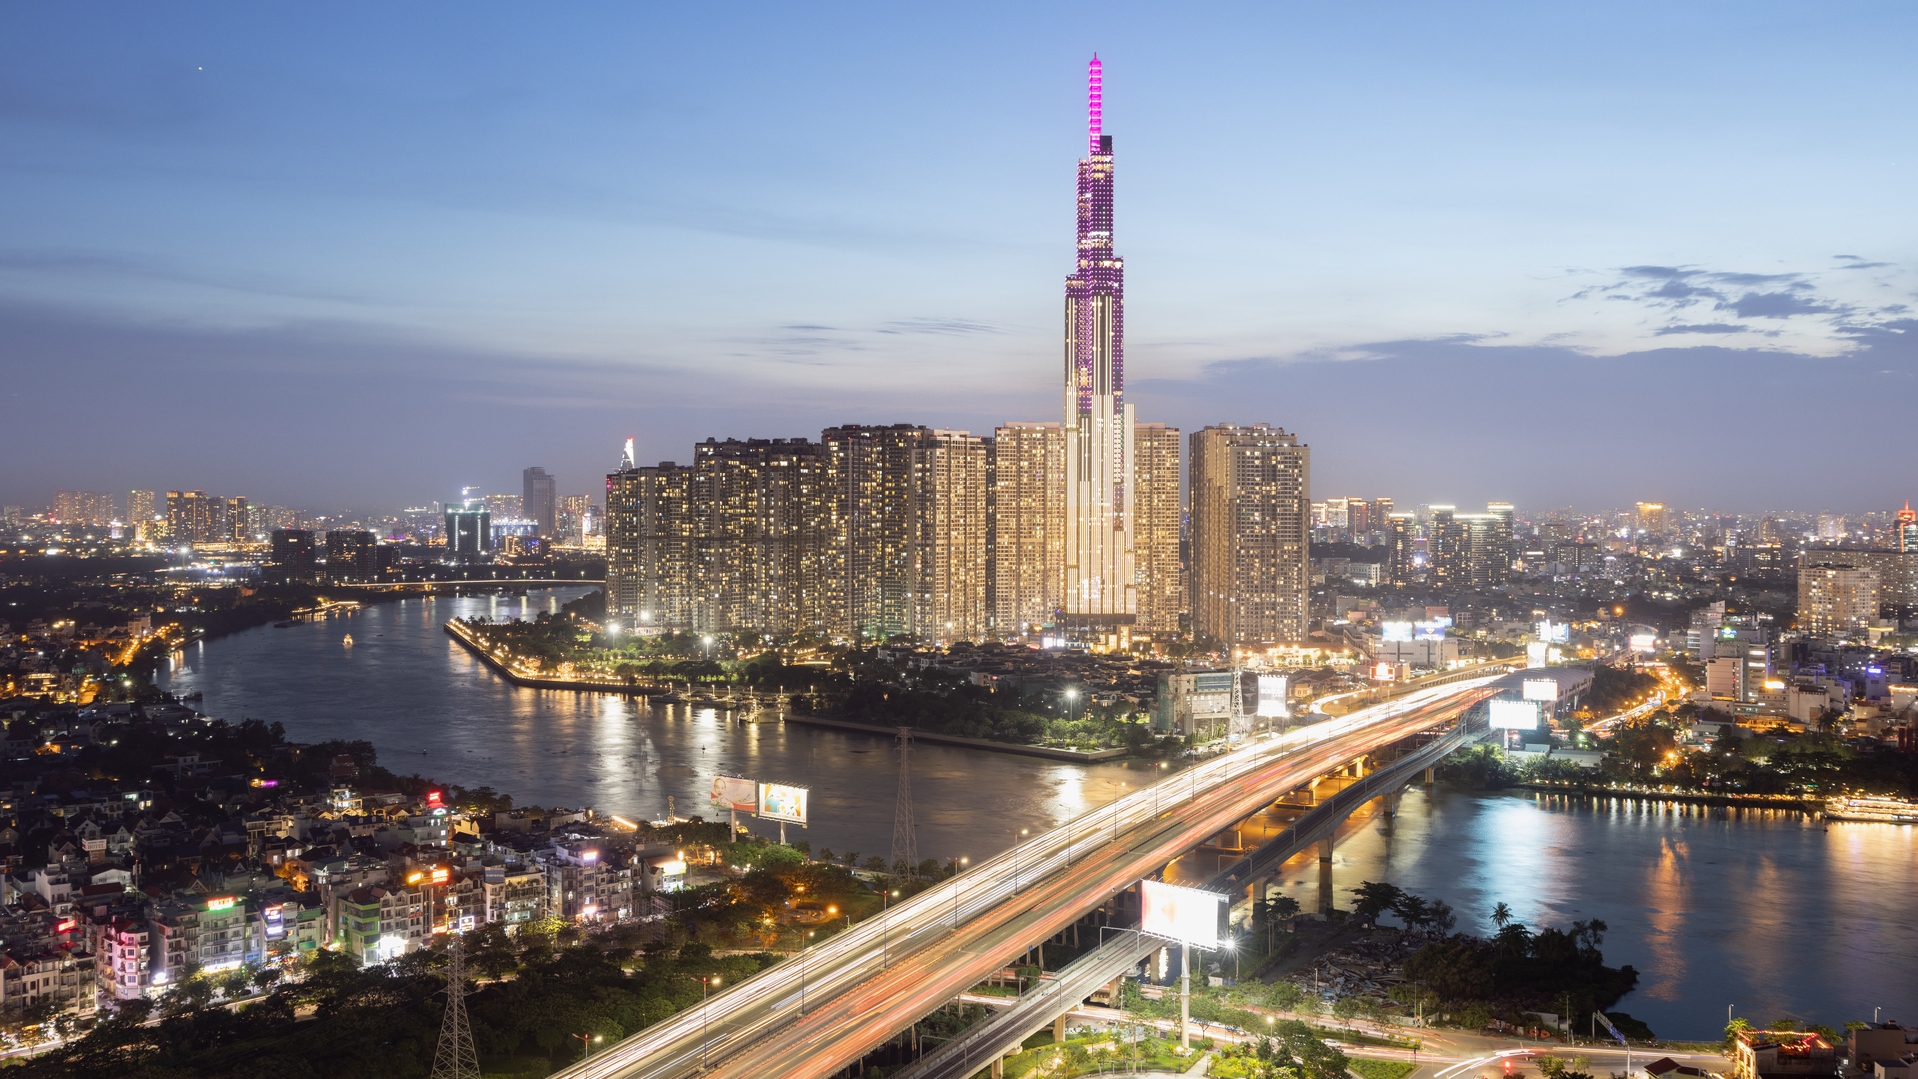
(464, 636)
(1794, 803)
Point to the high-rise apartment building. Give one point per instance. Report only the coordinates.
(195, 517)
(239, 521)
(1651, 518)
(1156, 516)
(1834, 599)
(875, 494)
(955, 552)
(504, 507)
(1101, 586)
(574, 511)
(86, 508)
(1444, 545)
(292, 556)
(140, 513)
(352, 554)
(649, 544)
(1483, 558)
(1908, 528)
(539, 501)
(1401, 546)
(1028, 526)
(1251, 499)
(757, 529)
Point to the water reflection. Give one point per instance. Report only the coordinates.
(1763, 909)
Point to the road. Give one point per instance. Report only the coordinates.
(813, 1015)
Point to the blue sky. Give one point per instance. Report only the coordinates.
(355, 256)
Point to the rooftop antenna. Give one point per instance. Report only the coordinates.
(905, 844)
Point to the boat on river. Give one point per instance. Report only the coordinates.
(348, 642)
(1867, 808)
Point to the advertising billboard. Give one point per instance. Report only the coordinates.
(1541, 689)
(1554, 632)
(1515, 715)
(1535, 653)
(777, 801)
(1433, 630)
(1187, 915)
(1396, 631)
(1272, 696)
(1643, 642)
(731, 793)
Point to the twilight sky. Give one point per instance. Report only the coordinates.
(351, 256)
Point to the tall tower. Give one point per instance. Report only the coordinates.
(1101, 590)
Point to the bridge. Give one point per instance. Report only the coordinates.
(813, 1015)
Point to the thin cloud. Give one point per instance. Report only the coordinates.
(1703, 327)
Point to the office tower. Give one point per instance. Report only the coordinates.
(539, 501)
(1503, 535)
(1156, 514)
(1651, 518)
(352, 554)
(951, 601)
(504, 507)
(1358, 520)
(239, 521)
(140, 513)
(1101, 589)
(756, 533)
(1401, 542)
(1338, 519)
(649, 545)
(1381, 509)
(1908, 528)
(1028, 528)
(1251, 498)
(195, 517)
(573, 513)
(1482, 555)
(1834, 598)
(469, 529)
(872, 502)
(291, 557)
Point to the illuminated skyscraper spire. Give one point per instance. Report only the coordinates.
(1100, 587)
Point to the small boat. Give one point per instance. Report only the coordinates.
(348, 642)
(282, 625)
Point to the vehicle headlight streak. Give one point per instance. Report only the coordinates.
(937, 909)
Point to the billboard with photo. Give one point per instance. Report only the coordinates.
(733, 793)
(777, 801)
(1187, 915)
(1272, 696)
(1433, 630)
(1554, 632)
(1515, 715)
(1541, 689)
(1396, 631)
(1535, 652)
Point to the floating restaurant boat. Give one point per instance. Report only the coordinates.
(1867, 808)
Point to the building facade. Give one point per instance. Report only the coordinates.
(1835, 599)
(1156, 518)
(1251, 516)
(539, 501)
(1028, 526)
(953, 602)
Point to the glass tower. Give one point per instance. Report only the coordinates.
(1101, 589)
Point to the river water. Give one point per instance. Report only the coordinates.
(1770, 912)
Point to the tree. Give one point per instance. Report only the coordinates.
(1501, 914)
(1375, 899)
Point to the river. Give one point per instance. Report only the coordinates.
(1765, 910)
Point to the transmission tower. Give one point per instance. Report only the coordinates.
(456, 1057)
(905, 842)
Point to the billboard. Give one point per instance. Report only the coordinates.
(1433, 630)
(1396, 631)
(1187, 915)
(1643, 642)
(1272, 696)
(777, 801)
(1535, 653)
(1541, 689)
(1515, 715)
(1554, 632)
(732, 793)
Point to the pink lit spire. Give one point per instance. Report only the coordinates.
(1094, 106)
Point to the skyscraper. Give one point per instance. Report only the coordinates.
(539, 501)
(1155, 528)
(649, 546)
(1101, 590)
(1028, 533)
(195, 517)
(874, 498)
(140, 513)
(469, 529)
(951, 604)
(1401, 544)
(83, 507)
(239, 521)
(1251, 518)
(1908, 528)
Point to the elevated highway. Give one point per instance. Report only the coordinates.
(813, 1015)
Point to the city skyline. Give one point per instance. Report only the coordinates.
(260, 235)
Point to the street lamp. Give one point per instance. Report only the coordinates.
(885, 903)
(588, 1041)
(704, 984)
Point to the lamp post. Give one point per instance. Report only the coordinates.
(885, 928)
(704, 984)
(802, 970)
(586, 1042)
